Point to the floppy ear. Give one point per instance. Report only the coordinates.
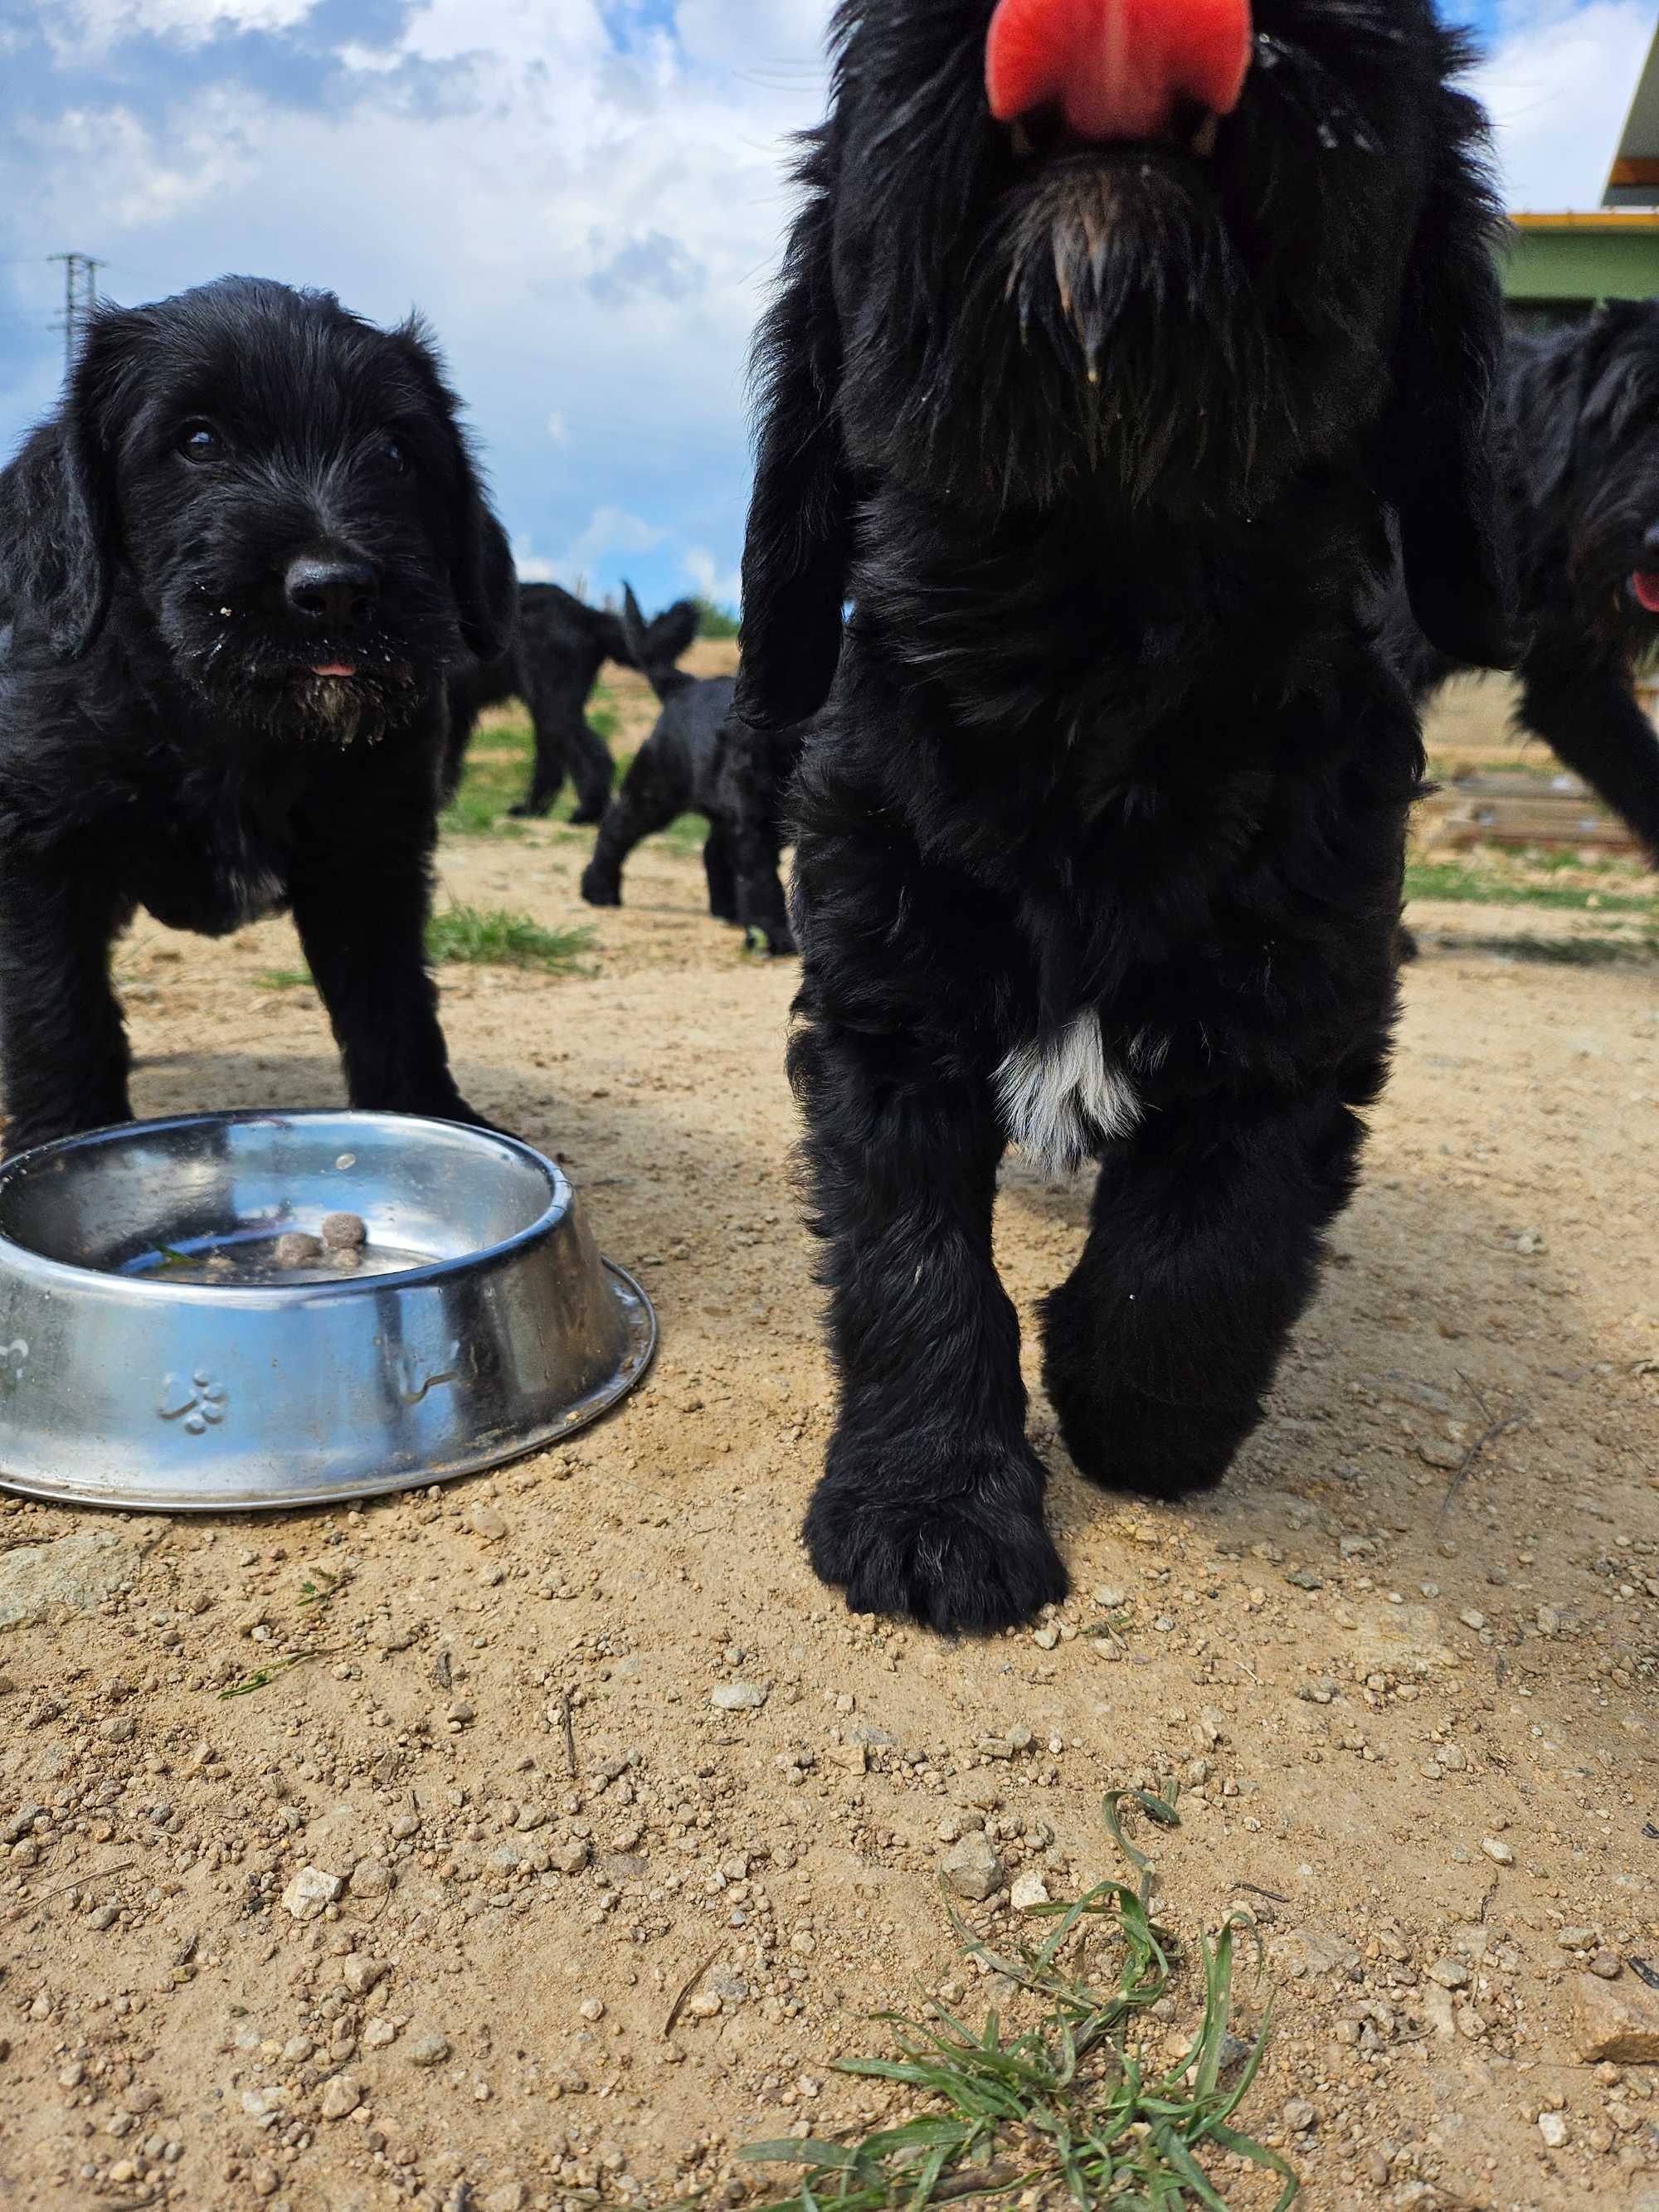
(486, 583)
(1438, 447)
(57, 525)
(796, 552)
(481, 574)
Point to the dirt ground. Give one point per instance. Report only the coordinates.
(1404, 1664)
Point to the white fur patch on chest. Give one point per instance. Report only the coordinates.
(1061, 1096)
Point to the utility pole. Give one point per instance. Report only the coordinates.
(80, 297)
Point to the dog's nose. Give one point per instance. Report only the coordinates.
(1651, 544)
(330, 587)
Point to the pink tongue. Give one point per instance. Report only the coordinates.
(1645, 585)
(335, 668)
(1117, 68)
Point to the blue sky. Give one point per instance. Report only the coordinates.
(584, 196)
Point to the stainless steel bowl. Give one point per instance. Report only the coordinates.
(152, 1355)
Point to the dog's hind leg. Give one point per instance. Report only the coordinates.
(1587, 718)
(722, 876)
(63, 1056)
(592, 768)
(650, 799)
(1203, 1251)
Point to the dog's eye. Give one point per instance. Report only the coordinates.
(395, 456)
(199, 441)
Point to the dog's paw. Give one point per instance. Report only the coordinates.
(584, 816)
(777, 940)
(532, 810)
(599, 890)
(972, 1562)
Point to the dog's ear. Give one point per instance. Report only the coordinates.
(673, 631)
(1438, 450)
(633, 628)
(486, 581)
(58, 534)
(798, 542)
(482, 578)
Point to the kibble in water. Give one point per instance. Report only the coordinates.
(295, 1248)
(345, 1232)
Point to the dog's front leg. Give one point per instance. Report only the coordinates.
(1203, 1251)
(931, 1502)
(361, 918)
(62, 1047)
(1587, 718)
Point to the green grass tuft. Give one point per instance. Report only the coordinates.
(493, 938)
(1447, 880)
(1067, 2105)
(284, 979)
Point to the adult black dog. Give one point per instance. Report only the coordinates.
(1582, 417)
(696, 759)
(1109, 344)
(559, 645)
(235, 566)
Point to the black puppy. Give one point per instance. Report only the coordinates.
(235, 565)
(1581, 415)
(695, 759)
(1095, 410)
(559, 645)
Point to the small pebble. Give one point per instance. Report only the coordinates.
(1497, 1851)
(1555, 2131)
(341, 2098)
(430, 2049)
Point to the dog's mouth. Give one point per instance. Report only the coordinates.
(1644, 589)
(1064, 74)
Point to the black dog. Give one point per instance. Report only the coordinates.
(1582, 417)
(559, 645)
(235, 566)
(696, 759)
(1097, 416)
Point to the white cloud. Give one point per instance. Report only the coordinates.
(723, 585)
(558, 429)
(1558, 83)
(97, 24)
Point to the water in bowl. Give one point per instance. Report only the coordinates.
(247, 1259)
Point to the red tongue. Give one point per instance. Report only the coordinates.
(1116, 68)
(1645, 585)
(335, 668)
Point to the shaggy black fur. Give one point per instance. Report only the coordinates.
(559, 645)
(1582, 414)
(696, 759)
(244, 489)
(1104, 824)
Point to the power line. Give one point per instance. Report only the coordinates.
(80, 297)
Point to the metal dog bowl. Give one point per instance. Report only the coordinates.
(152, 1355)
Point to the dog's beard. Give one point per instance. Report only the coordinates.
(282, 697)
(1114, 333)
(1604, 552)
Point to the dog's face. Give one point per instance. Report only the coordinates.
(285, 493)
(1607, 474)
(1113, 279)
(1153, 256)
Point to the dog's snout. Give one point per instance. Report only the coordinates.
(1651, 544)
(330, 588)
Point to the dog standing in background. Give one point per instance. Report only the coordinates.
(1582, 467)
(696, 759)
(559, 645)
(237, 563)
(1113, 349)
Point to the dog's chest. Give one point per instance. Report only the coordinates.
(1062, 1095)
(214, 862)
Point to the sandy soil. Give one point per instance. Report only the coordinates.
(1404, 1664)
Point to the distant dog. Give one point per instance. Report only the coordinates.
(558, 647)
(1110, 346)
(694, 761)
(1582, 415)
(236, 565)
